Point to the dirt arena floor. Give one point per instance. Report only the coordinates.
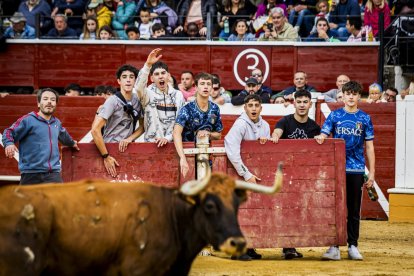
(388, 249)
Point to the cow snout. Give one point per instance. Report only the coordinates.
(234, 246)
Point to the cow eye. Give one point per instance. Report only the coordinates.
(210, 207)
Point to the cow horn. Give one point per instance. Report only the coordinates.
(193, 187)
(277, 185)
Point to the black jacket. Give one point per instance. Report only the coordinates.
(206, 6)
(239, 99)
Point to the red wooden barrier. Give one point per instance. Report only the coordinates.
(35, 64)
(383, 117)
(310, 210)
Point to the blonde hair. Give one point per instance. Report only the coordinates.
(86, 33)
(370, 6)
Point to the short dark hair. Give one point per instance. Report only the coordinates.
(393, 89)
(187, 72)
(132, 29)
(41, 91)
(355, 20)
(252, 97)
(144, 9)
(126, 67)
(99, 89)
(157, 27)
(302, 93)
(158, 65)
(352, 86)
(73, 86)
(325, 20)
(216, 80)
(203, 76)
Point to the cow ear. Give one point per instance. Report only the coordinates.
(241, 194)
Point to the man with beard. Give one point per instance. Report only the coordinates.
(38, 134)
(297, 126)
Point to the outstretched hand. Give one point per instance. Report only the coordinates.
(154, 56)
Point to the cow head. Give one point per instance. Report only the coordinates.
(217, 199)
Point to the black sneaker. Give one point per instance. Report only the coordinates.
(253, 254)
(291, 253)
(243, 257)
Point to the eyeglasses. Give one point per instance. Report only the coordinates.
(216, 88)
(256, 75)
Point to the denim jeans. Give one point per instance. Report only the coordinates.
(303, 17)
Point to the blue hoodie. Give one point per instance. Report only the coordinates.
(38, 142)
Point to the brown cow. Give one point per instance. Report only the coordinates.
(95, 227)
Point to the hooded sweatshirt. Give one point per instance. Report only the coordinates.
(38, 142)
(244, 129)
(160, 109)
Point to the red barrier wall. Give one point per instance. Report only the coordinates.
(383, 117)
(41, 64)
(310, 210)
(77, 114)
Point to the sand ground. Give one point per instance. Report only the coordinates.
(388, 249)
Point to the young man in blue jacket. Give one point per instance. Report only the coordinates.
(38, 134)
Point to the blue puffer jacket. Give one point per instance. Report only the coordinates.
(38, 142)
(124, 17)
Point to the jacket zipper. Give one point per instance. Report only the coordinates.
(50, 142)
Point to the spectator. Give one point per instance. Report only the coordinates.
(19, 29)
(258, 75)
(192, 32)
(297, 126)
(323, 32)
(73, 89)
(374, 93)
(354, 27)
(300, 81)
(338, 16)
(304, 13)
(241, 32)
(161, 102)
(161, 13)
(38, 134)
(250, 126)
(102, 13)
(123, 18)
(218, 94)
(31, 9)
(145, 26)
(116, 121)
(323, 11)
(103, 91)
(90, 29)
(158, 31)
(200, 119)
(278, 99)
(105, 33)
(371, 14)
(195, 11)
(332, 95)
(73, 9)
(132, 33)
(233, 10)
(251, 87)
(263, 9)
(186, 86)
(355, 127)
(281, 30)
(61, 29)
(390, 95)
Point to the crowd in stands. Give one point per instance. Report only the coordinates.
(232, 20)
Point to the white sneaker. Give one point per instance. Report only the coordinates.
(297, 28)
(353, 253)
(332, 253)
